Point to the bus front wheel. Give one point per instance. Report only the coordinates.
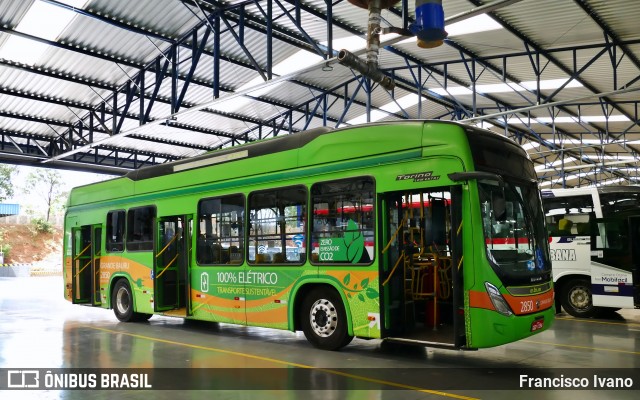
(122, 303)
(577, 299)
(324, 320)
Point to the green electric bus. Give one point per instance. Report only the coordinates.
(424, 232)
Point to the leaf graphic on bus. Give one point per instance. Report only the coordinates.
(138, 282)
(364, 283)
(346, 279)
(361, 297)
(371, 293)
(354, 242)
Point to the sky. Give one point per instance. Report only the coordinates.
(71, 179)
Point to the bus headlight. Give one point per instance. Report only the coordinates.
(499, 303)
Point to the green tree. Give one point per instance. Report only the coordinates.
(6, 187)
(47, 183)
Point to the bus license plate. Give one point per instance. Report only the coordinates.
(537, 324)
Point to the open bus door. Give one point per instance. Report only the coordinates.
(421, 267)
(614, 261)
(171, 264)
(85, 268)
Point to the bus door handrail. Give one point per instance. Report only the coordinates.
(82, 252)
(393, 270)
(168, 265)
(168, 244)
(395, 234)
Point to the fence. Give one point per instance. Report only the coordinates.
(26, 220)
(32, 269)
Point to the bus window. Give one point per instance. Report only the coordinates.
(343, 221)
(612, 234)
(140, 228)
(277, 225)
(220, 230)
(115, 230)
(569, 216)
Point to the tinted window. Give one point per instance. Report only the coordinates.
(566, 216)
(220, 230)
(140, 228)
(115, 230)
(277, 223)
(619, 202)
(343, 221)
(495, 153)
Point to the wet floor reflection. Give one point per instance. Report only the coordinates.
(38, 329)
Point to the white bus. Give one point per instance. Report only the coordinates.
(594, 236)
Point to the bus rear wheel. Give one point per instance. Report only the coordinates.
(577, 299)
(324, 320)
(122, 303)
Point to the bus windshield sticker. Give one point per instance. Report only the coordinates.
(348, 248)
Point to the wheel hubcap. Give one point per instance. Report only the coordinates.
(122, 301)
(579, 297)
(323, 317)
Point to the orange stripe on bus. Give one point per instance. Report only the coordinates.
(480, 300)
(540, 302)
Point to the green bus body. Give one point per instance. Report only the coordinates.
(359, 264)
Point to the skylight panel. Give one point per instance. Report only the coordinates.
(566, 160)
(479, 23)
(531, 145)
(404, 102)
(452, 91)
(550, 84)
(570, 120)
(506, 87)
(300, 60)
(42, 20)
(351, 43)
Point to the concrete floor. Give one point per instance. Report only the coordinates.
(38, 329)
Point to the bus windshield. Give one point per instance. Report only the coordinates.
(515, 239)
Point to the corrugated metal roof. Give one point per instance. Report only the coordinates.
(9, 209)
(112, 28)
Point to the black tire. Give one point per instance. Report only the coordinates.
(577, 299)
(323, 319)
(140, 317)
(122, 303)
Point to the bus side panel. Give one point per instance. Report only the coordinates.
(570, 255)
(361, 290)
(218, 294)
(611, 287)
(268, 294)
(139, 276)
